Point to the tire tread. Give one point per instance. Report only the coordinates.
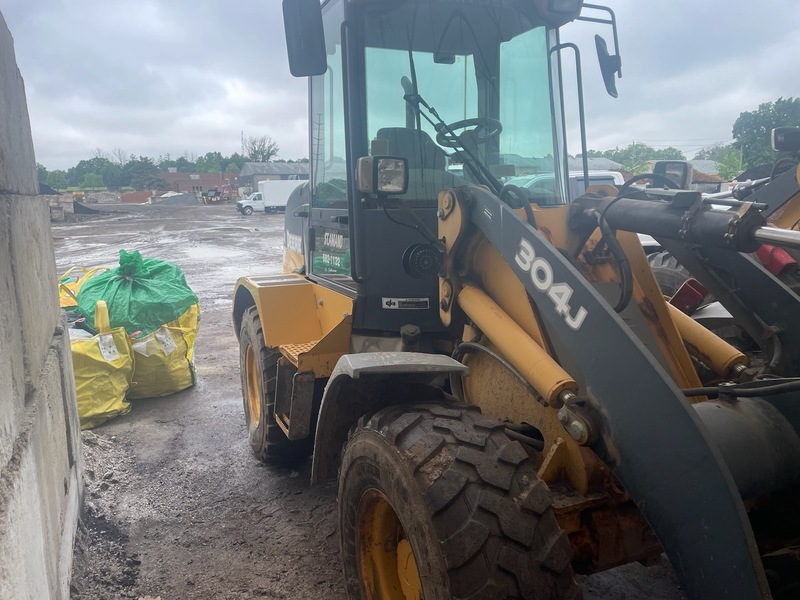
(498, 533)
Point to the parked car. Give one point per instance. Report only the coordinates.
(544, 183)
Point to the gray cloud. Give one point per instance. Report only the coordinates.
(689, 69)
(157, 76)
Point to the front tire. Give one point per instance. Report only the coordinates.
(436, 502)
(247, 210)
(258, 366)
(669, 273)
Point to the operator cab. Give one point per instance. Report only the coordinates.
(456, 101)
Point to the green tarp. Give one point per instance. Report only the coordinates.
(142, 294)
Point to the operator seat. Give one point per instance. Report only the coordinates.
(414, 145)
(427, 163)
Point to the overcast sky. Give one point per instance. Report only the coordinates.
(188, 76)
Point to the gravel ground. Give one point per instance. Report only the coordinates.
(176, 507)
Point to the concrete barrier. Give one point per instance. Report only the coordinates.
(40, 454)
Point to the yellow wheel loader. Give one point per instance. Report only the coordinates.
(492, 372)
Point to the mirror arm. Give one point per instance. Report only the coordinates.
(612, 20)
(581, 111)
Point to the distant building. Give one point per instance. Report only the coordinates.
(596, 163)
(137, 197)
(199, 182)
(709, 167)
(253, 172)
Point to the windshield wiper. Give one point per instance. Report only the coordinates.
(474, 164)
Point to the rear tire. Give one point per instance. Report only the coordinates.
(436, 499)
(258, 366)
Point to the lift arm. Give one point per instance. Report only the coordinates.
(646, 430)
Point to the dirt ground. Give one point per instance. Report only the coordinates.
(176, 507)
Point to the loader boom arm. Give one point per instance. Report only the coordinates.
(679, 481)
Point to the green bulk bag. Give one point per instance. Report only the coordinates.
(142, 294)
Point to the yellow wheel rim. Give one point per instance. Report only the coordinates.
(253, 388)
(386, 560)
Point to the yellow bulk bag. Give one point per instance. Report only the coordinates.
(164, 358)
(103, 366)
(70, 283)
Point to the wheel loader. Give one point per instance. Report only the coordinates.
(491, 372)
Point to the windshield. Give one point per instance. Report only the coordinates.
(461, 90)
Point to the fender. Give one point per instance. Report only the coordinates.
(364, 383)
(293, 309)
(254, 289)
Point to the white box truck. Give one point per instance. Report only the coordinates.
(275, 193)
(271, 196)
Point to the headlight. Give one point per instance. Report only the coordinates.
(382, 175)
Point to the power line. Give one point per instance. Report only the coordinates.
(684, 140)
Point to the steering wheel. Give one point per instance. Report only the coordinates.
(484, 128)
(654, 177)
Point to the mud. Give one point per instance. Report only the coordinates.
(176, 507)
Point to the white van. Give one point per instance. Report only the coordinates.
(254, 201)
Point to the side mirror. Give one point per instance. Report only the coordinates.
(679, 171)
(610, 66)
(382, 175)
(305, 37)
(786, 139)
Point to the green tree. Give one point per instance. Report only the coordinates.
(41, 173)
(57, 179)
(112, 175)
(185, 165)
(236, 159)
(752, 130)
(261, 148)
(670, 153)
(99, 165)
(635, 156)
(138, 171)
(155, 183)
(715, 152)
(210, 162)
(232, 168)
(730, 165)
(92, 181)
(727, 157)
(165, 162)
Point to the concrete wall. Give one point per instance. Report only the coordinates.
(40, 460)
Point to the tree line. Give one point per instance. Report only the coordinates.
(118, 169)
(751, 147)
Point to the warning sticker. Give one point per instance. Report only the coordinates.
(107, 347)
(405, 303)
(164, 337)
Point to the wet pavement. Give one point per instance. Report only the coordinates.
(176, 505)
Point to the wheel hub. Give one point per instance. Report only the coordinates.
(387, 564)
(253, 387)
